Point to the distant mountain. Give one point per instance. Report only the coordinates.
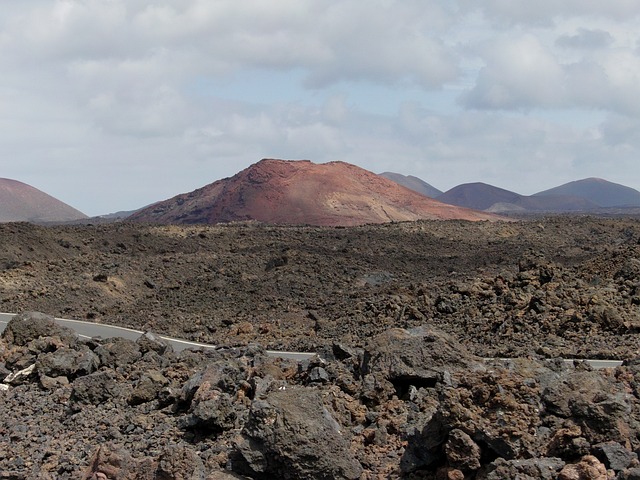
(413, 183)
(121, 215)
(20, 202)
(599, 191)
(301, 192)
(481, 196)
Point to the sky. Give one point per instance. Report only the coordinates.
(111, 105)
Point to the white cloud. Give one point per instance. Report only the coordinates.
(544, 12)
(519, 73)
(524, 73)
(98, 94)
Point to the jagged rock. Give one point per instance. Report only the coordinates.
(424, 441)
(67, 362)
(150, 342)
(462, 452)
(291, 435)
(118, 352)
(630, 270)
(398, 359)
(318, 374)
(450, 474)
(530, 469)
(630, 474)
(211, 410)
(29, 326)
(50, 383)
(600, 407)
(4, 371)
(614, 456)
(219, 475)
(97, 388)
(226, 376)
(568, 443)
(112, 463)
(179, 463)
(588, 468)
(148, 387)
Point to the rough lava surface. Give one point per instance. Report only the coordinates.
(403, 317)
(302, 192)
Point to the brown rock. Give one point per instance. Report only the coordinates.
(179, 463)
(29, 326)
(589, 468)
(462, 452)
(291, 435)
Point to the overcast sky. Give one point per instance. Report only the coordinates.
(112, 104)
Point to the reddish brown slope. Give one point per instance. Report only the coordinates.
(20, 202)
(301, 192)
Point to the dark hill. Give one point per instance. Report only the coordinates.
(479, 196)
(599, 191)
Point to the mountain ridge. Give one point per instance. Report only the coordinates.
(591, 195)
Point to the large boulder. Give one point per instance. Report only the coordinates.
(67, 362)
(600, 406)
(29, 326)
(291, 435)
(397, 359)
(98, 388)
(118, 352)
(150, 342)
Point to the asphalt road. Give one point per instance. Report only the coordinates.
(89, 330)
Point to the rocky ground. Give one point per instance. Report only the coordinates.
(401, 315)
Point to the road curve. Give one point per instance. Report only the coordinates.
(90, 329)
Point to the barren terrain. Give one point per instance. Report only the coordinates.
(558, 287)
(401, 314)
